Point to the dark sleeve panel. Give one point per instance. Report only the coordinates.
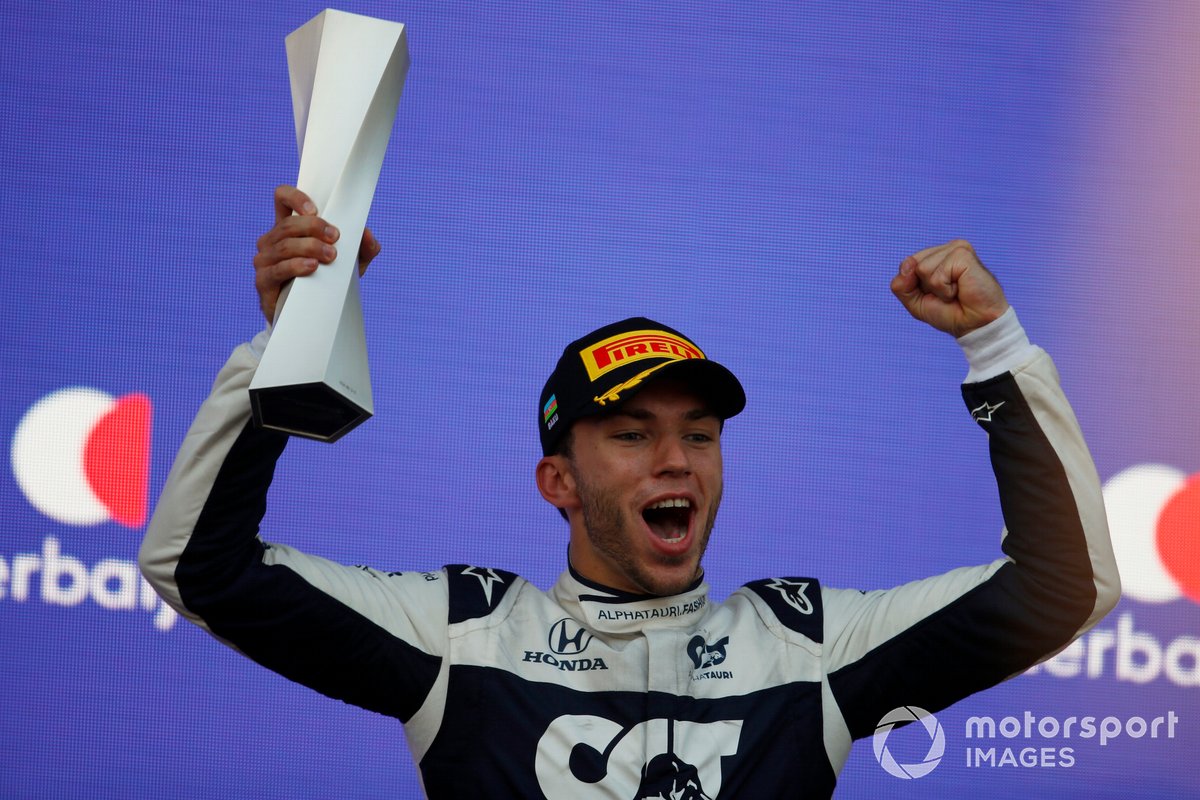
(1025, 610)
(272, 614)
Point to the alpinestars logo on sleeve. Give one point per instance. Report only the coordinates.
(984, 412)
(487, 577)
(793, 594)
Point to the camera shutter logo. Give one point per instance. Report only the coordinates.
(937, 742)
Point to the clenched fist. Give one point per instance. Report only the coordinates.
(949, 288)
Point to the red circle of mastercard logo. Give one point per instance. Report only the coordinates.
(82, 457)
(1154, 518)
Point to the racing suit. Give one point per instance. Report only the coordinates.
(585, 692)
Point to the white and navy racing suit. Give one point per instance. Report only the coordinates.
(583, 692)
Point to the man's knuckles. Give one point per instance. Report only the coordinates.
(303, 247)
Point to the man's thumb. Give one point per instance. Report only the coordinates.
(906, 286)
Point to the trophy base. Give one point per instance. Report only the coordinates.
(311, 410)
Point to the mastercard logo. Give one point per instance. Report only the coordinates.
(1154, 518)
(82, 457)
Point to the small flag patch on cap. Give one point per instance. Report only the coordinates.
(549, 409)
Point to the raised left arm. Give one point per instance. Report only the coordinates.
(932, 642)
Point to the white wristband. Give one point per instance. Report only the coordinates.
(996, 348)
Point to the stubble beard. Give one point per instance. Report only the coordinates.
(605, 525)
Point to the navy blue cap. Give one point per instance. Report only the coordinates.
(598, 372)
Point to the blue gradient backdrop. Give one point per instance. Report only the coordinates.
(750, 173)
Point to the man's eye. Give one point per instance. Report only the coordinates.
(628, 436)
(699, 437)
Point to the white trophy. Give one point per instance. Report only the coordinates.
(347, 72)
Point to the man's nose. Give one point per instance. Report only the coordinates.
(671, 456)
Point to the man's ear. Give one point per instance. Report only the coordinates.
(556, 482)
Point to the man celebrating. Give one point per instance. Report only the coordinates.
(624, 680)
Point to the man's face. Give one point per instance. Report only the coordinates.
(648, 480)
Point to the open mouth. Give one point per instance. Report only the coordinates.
(669, 519)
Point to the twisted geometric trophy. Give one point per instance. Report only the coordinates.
(347, 72)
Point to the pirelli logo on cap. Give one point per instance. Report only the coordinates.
(625, 348)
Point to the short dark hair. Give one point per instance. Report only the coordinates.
(565, 448)
(566, 445)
